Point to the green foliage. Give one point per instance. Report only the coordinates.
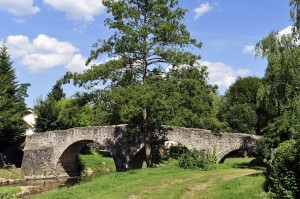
(57, 112)
(212, 155)
(191, 98)
(9, 192)
(295, 15)
(242, 118)
(12, 104)
(279, 93)
(7, 196)
(193, 159)
(71, 114)
(177, 151)
(243, 91)
(240, 110)
(47, 114)
(147, 34)
(285, 171)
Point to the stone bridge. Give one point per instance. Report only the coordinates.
(54, 153)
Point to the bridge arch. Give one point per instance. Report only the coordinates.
(67, 162)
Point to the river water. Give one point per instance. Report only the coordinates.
(33, 187)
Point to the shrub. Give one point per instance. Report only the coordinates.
(177, 151)
(193, 159)
(284, 177)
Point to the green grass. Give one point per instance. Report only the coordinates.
(9, 190)
(170, 181)
(246, 187)
(99, 164)
(11, 173)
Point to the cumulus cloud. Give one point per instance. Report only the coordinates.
(77, 64)
(45, 52)
(223, 75)
(286, 31)
(202, 9)
(82, 10)
(19, 7)
(249, 49)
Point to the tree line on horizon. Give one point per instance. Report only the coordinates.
(148, 36)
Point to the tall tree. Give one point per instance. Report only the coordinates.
(12, 104)
(280, 93)
(147, 36)
(48, 111)
(191, 98)
(240, 109)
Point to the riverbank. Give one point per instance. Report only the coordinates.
(12, 182)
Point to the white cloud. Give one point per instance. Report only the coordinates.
(82, 10)
(249, 49)
(220, 74)
(45, 52)
(223, 75)
(19, 7)
(77, 64)
(202, 9)
(286, 31)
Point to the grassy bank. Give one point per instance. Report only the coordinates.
(97, 163)
(11, 174)
(235, 176)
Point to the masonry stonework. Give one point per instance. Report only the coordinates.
(53, 154)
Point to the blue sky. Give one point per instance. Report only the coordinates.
(47, 38)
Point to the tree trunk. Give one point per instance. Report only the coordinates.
(148, 155)
(148, 152)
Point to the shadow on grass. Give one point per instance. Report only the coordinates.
(261, 167)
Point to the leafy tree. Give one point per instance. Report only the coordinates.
(57, 112)
(279, 92)
(295, 14)
(191, 98)
(73, 114)
(12, 104)
(240, 108)
(147, 36)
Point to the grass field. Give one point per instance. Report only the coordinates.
(236, 178)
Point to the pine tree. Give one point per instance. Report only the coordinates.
(12, 104)
(48, 111)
